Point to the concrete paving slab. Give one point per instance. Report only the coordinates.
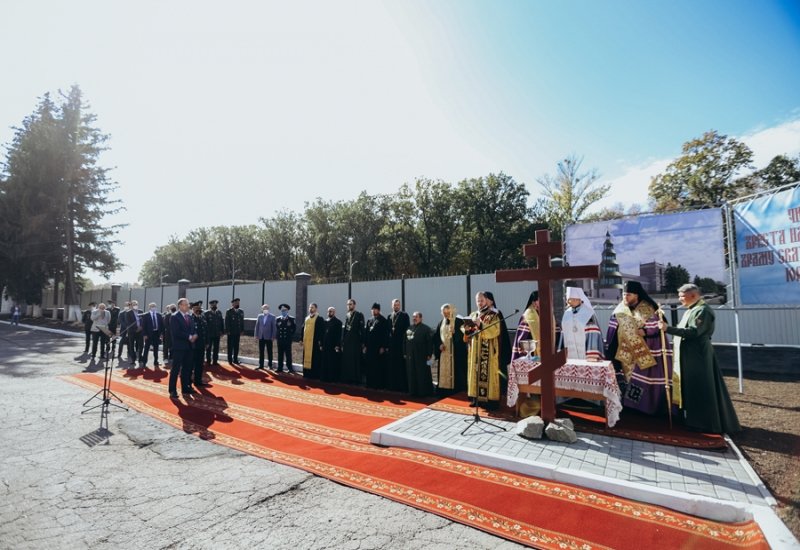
(717, 485)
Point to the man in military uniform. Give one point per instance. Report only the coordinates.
(234, 327)
(216, 328)
(286, 327)
(201, 329)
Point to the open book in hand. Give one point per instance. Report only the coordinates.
(469, 325)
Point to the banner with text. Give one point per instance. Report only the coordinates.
(768, 248)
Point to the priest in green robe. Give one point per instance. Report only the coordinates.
(697, 384)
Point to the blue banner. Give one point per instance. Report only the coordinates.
(768, 248)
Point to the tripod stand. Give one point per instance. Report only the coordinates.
(105, 395)
(476, 419)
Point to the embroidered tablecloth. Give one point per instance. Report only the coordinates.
(595, 377)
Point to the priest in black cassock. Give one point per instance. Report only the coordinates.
(398, 325)
(352, 343)
(331, 348)
(376, 347)
(418, 352)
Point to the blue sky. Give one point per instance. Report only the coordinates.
(223, 112)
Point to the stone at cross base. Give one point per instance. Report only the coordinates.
(543, 249)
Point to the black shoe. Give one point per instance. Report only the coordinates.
(202, 385)
(260, 368)
(188, 391)
(173, 395)
(157, 364)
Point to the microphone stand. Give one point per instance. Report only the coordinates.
(105, 394)
(476, 418)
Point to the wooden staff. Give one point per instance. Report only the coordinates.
(666, 368)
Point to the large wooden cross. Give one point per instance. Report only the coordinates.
(542, 250)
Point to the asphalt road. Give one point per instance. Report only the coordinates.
(148, 485)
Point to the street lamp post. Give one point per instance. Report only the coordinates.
(233, 276)
(161, 281)
(350, 272)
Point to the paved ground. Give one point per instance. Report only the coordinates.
(151, 486)
(717, 474)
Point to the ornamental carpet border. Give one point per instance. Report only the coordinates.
(324, 429)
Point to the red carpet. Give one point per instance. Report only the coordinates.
(631, 425)
(324, 429)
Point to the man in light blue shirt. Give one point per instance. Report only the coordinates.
(265, 333)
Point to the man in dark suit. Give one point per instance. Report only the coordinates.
(201, 329)
(285, 326)
(123, 330)
(399, 323)
(152, 330)
(113, 323)
(183, 339)
(86, 319)
(234, 327)
(215, 324)
(135, 333)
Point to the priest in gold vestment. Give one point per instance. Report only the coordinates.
(312, 334)
(484, 334)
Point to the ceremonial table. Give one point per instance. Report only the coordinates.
(594, 380)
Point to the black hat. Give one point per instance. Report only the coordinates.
(235, 300)
(635, 287)
(212, 302)
(377, 306)
(489, 296)
(532, 298)
(282, 306)
(199, 303)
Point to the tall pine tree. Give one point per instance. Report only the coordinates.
(54, 199)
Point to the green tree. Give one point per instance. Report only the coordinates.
(55, 200)
(613, 212)
(425, 226)
(569, 194)
(781, 170)
(704, 175)
(674, 277)
(323, 239)
(496, 222)
(707, 285)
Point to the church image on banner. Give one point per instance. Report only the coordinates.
(641, 248)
